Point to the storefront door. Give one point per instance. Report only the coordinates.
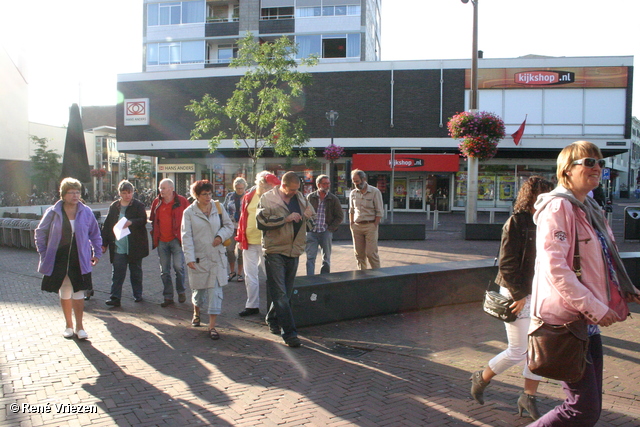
(408, 193)
(416, 193)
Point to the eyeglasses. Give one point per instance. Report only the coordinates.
(589, 162)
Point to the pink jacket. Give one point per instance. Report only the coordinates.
(558, 296)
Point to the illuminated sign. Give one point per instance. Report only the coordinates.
(180, 168)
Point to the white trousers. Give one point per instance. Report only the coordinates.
(516, 352)
(253, 262)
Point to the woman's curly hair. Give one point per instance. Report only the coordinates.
(529, 192)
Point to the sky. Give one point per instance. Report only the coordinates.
(74, 49)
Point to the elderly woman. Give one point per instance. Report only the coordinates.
(129, 250)
(515, 273)
(204, 228)
(250, 239)
(233, 204)
(68, 241)
(559, 296)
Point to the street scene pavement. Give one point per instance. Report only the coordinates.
(144, 365)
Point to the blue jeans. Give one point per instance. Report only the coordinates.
(166, 251)
(281, 272)
(313, 241)
(119, 273)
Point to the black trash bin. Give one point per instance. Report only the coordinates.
(631, 223)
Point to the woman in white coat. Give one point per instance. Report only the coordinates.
(204, 228)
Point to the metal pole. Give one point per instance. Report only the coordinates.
(393, 170)
(472, 162)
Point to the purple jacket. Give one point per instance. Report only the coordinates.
(49, 233)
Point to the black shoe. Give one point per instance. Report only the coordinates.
(182, 297)
(274, 329)
(167, 303)
(113, 302)
(293, 342)
(88, 294)
(249, 312)
(137, 299)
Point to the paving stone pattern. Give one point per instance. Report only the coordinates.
(144, 365)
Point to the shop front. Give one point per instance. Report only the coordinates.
(420, 181)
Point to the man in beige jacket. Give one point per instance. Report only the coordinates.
(282, 215)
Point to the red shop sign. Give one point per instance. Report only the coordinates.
(407, 162)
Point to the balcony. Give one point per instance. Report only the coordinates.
(277, 26)
(219, 28)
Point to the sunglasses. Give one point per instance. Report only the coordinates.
(590, 162)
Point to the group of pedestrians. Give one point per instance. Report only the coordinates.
(559, 264)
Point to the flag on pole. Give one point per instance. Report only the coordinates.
(517, 136)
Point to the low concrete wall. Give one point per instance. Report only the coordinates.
(388, 232)
(355, 294)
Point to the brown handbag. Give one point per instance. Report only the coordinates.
(559, 352)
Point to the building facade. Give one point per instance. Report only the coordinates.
(196, 34)
(401, 108)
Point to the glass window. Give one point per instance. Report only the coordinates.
(169, 53)
(308, 45)
(193, 11)
(152, 14)
(341, 10)
(169, 13)
(328, 11)
(305, 12)
(226, 53)
(353, 45)
(152, 54)
(353, 10)
(192, 52)
(334, 47)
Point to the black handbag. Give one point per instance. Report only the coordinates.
(497, 305)
(560, 352)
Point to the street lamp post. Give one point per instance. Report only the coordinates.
(332, 116)
(472, 162)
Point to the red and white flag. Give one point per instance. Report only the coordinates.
(517, 136)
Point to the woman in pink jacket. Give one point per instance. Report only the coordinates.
(558, 296)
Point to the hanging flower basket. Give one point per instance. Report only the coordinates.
(480, 133)
(478, 147)
(333, 152)
(98, 173)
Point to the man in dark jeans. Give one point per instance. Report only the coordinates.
(282, 215)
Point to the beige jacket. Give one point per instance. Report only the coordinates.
(277, 236)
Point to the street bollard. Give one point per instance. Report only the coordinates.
(428, 212)
(610, 218)
(435, 219)
(492, 217)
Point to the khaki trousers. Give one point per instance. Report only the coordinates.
(365, 244)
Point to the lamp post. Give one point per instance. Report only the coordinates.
(472, 162)
(332, 116)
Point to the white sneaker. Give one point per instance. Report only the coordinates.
(82, 335)
(68, 333)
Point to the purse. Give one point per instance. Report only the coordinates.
(497, 305)
(228, 241)
(559, 352)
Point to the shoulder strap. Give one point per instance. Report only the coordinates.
(219, 211)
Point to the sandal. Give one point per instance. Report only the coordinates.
(195, 321)
(240, 278)
(232, 276)
(213, 334)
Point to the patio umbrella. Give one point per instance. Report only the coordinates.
(75, 163)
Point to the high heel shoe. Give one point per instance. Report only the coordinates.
(478, 384)
(528, 403)
(88, 294)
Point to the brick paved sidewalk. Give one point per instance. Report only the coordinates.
(144, 365)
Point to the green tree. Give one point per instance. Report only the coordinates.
(45, 164)
(140, 169)
(259, 112)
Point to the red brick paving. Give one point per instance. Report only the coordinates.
(146, 366)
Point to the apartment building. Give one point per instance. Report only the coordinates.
(195, 34)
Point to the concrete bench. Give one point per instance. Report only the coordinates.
(356, 294)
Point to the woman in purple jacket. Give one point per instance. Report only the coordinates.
(68, 241)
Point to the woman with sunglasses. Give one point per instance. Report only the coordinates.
(559, 296)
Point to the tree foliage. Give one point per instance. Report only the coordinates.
(140, 169)
(45, 164)
(260, 109)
